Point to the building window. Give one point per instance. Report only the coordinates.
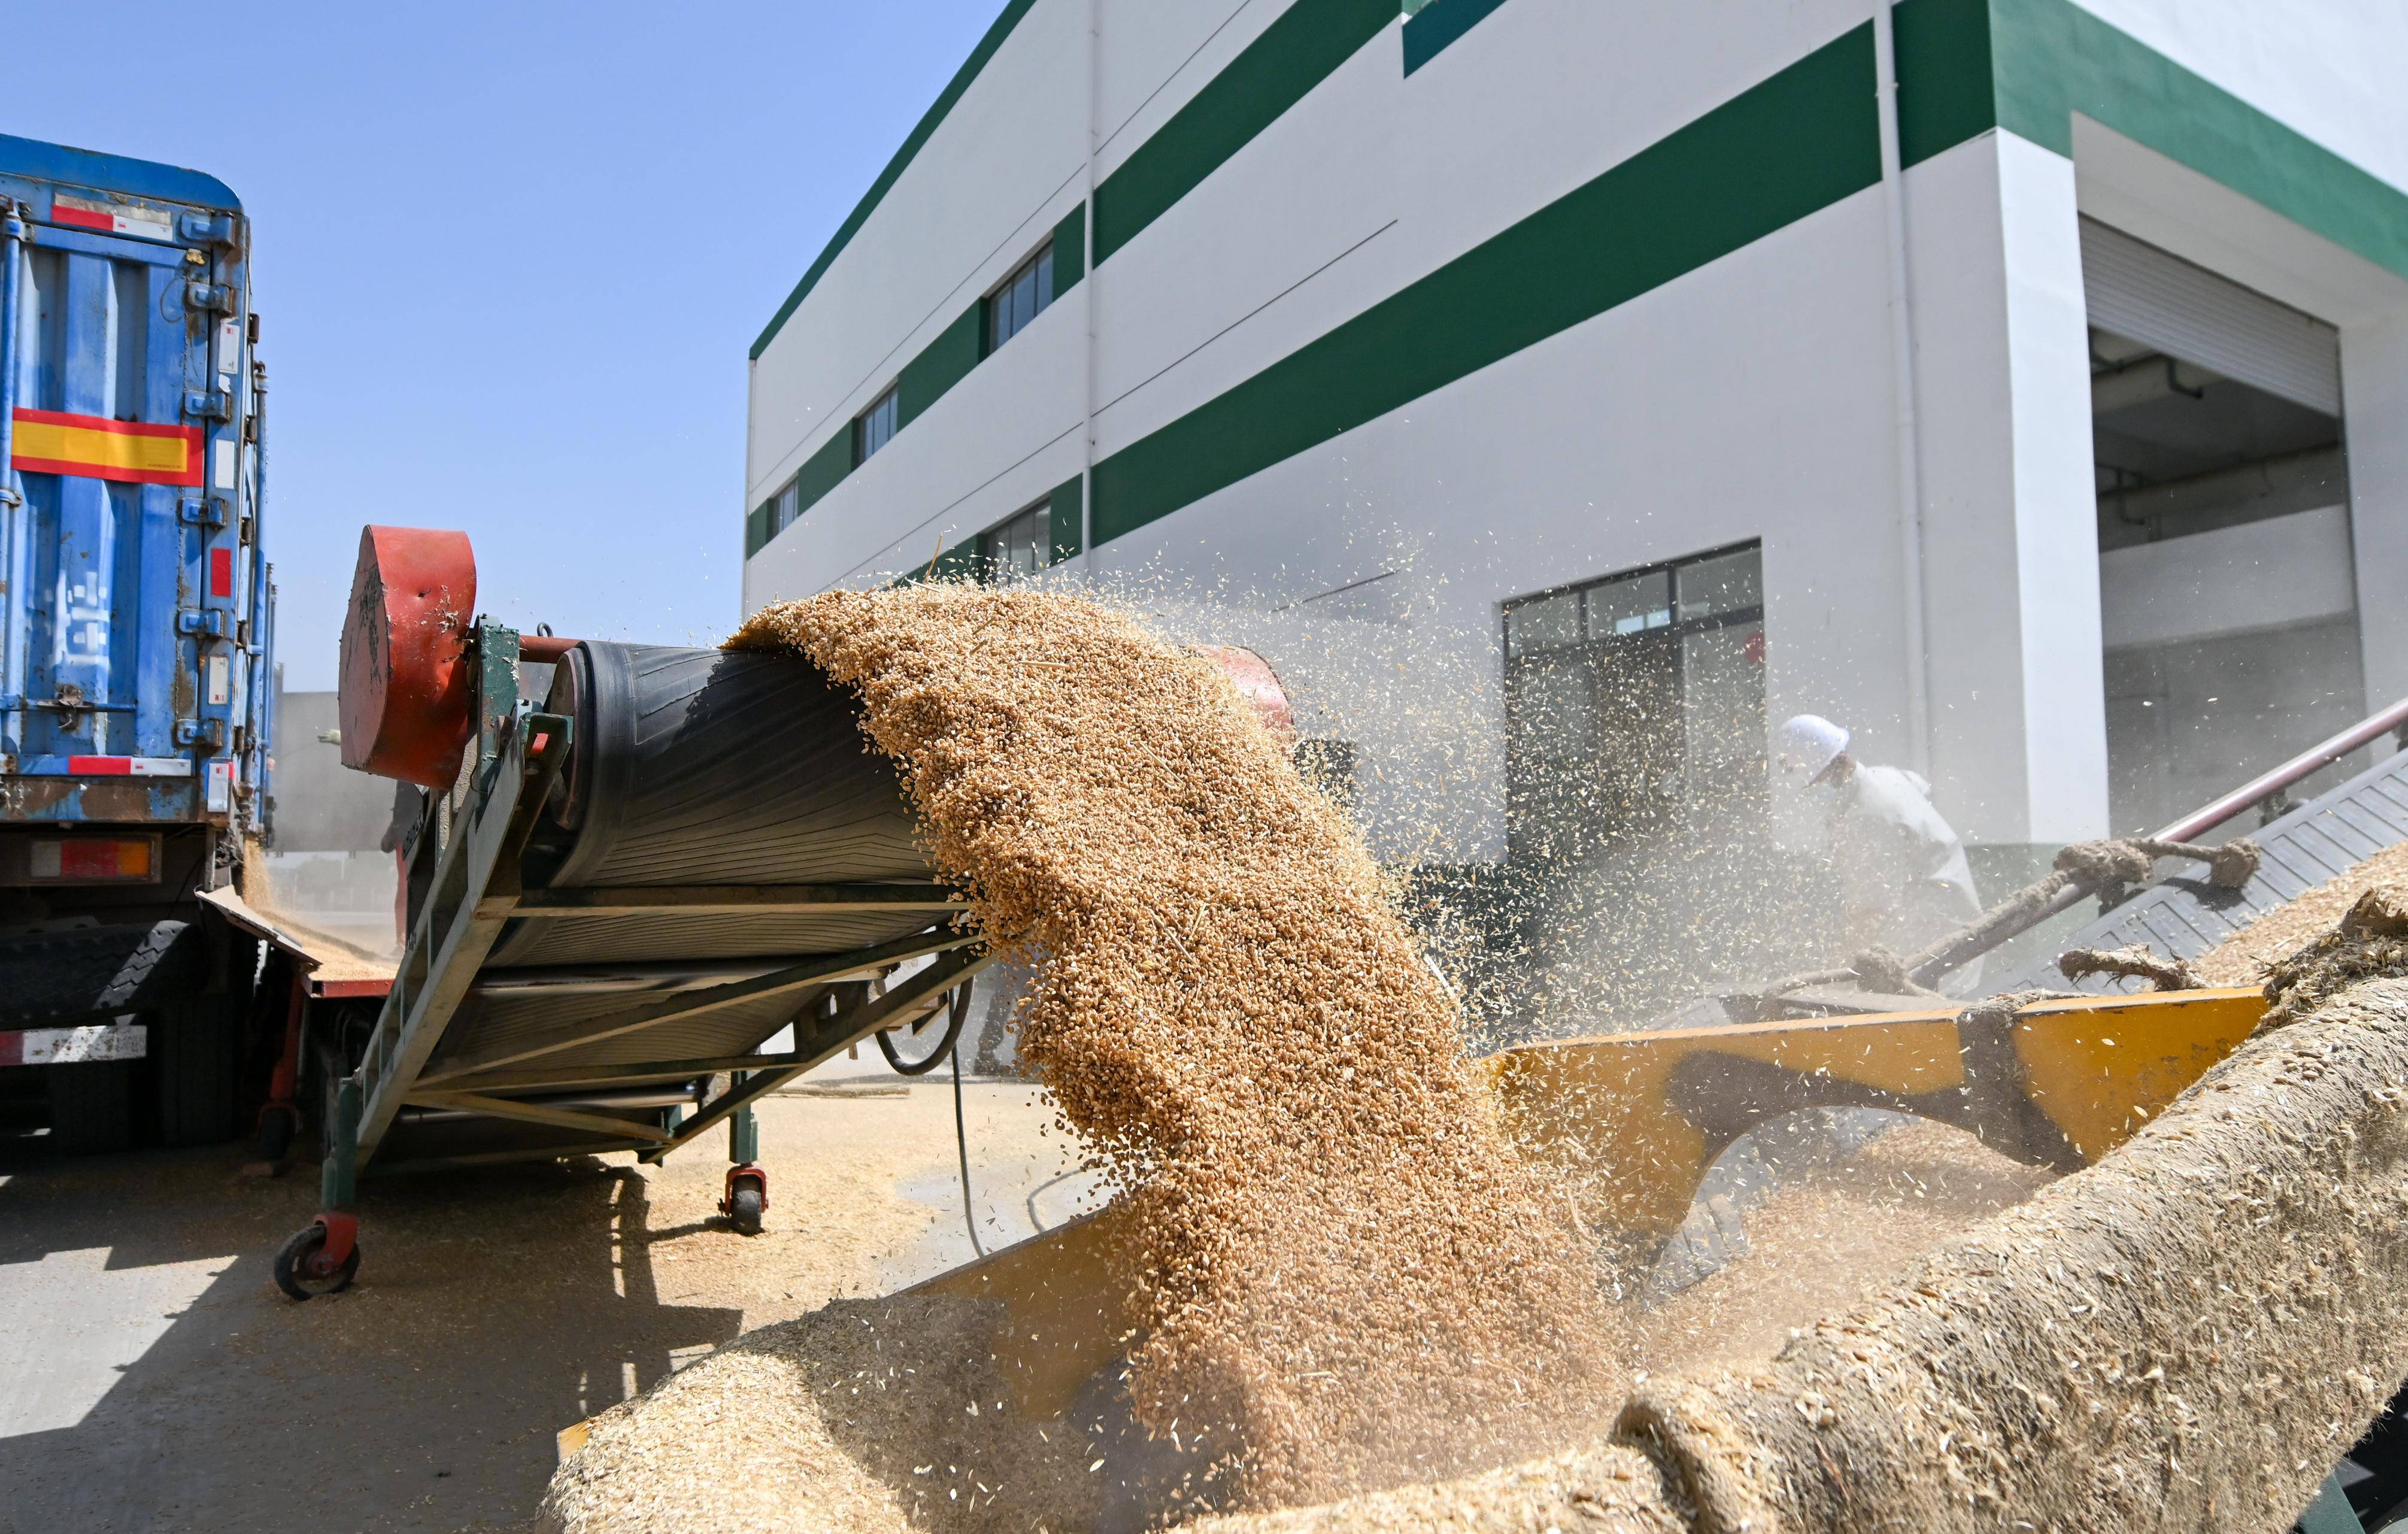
(874, 427)
(1019, 547)
(1025, 295)
(1633, 702)
(785, 508)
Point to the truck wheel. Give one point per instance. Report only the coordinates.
(298, 1267)
(91, 1106)
(56, 975)
(196, 1055)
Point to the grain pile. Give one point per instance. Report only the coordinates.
(2242, 958)
(1346, 1275)
(876, 1416)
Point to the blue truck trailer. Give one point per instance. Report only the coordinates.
(135, 649)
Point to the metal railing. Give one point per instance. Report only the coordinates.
(2266, 785)
(2257, 791)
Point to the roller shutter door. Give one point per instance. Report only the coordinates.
(2143, 293)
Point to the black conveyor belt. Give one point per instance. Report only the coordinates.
(2185, 917)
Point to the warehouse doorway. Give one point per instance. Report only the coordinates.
(2228, 590)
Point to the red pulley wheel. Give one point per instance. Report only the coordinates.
(1259, 685)
(405, 707)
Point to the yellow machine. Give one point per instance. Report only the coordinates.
(2055, 1083)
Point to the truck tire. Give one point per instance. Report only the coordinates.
(54, 977)
(196, 1060)
(91, 1106)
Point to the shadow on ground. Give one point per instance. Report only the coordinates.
(152, 1378)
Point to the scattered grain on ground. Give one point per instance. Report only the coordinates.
(873, 1415)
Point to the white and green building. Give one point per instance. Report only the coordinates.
(1588, 382)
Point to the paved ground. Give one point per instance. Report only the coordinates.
(151, 1377)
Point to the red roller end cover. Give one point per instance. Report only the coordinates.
(405, 707)
(1259, 685)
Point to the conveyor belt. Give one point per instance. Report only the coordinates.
(2185, 917)
(720, 855)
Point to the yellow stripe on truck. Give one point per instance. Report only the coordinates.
(101, 450)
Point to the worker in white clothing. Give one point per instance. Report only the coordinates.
(1904, 881)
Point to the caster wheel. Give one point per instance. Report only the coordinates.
(276, 1135)
(744, 1207)
(302, 1270)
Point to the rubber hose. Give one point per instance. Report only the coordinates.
(958, 1012)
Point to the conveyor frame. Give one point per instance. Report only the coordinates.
(459, 913)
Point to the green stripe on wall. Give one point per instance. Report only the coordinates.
(756, 527)
(824, 471)
(1065, 513)
(942, 363)
(1799, 142)
(1965, 67)
(926, 379)
(2056, 59)
(958, 563)
(1278, 69)
(920, 136)
(1946, 91)
(1070, 250)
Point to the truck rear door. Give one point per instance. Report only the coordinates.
(130, 602)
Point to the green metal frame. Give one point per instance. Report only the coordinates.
(476, 886)
(914, 994)
(476, 890)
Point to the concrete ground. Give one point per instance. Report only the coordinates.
(152, 1378)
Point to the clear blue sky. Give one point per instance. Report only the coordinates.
(510, 258)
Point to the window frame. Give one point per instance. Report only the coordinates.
(1039, 267)
(1532, 769)
(991, 569)
(889, 401)
(1672, 624)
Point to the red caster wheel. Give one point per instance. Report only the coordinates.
(313, 1263)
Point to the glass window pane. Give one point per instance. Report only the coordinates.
(1542, 624)
(1722, 706)
(1629, 605)
(878, 424)
(1017, 548)
(1023, 296)
(1555, 712)
(1724, 584)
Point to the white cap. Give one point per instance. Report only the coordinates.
(1810, 743)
